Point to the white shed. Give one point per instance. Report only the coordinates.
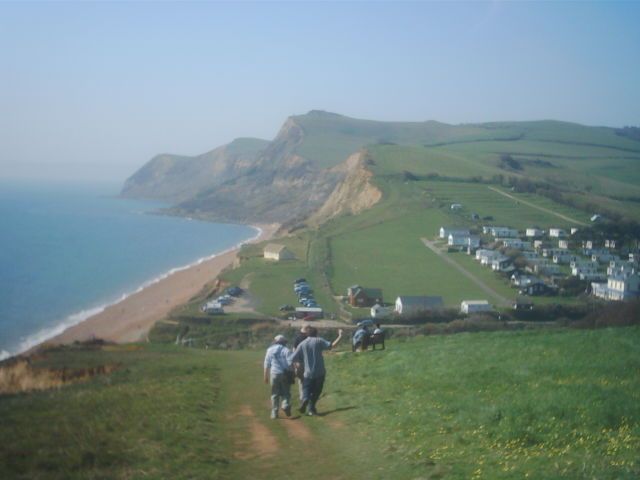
(474, 306)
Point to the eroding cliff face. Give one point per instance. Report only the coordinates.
(353, 194)
(284, 181)
(281, 186)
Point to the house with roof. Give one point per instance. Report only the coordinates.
(486, 256)
(456, 231)
(277, 252)
(475, 306)
(364, 297)
(563, 244)
(502, 264)
(520, 280)
(412, 305)
(610, 243)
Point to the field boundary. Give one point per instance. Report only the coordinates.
(533, 205)
(504, 301)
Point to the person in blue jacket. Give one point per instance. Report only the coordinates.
(310, 350)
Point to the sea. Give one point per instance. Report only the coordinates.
(69, 250)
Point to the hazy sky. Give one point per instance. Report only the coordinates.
(96, 89)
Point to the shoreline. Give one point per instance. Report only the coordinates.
(130, 318)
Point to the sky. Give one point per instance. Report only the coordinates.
(94, 90)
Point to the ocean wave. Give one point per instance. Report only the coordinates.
(48, 333)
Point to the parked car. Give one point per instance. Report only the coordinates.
(300, 280)
(234, 291)
(286, 308)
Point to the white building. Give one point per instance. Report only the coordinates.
(501, 264)
(474, 306)
(277, 252)
(379, 312)
(456, 231)
(618, 287)
(457, 240)
(412, 305)
(486, 256)
(563, 244)
(610, 244)
(557, 233)
(534, 232)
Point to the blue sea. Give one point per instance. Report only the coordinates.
(67, 251)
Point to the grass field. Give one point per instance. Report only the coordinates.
(532, 404)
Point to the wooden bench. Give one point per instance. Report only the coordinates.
(375, 339)
(369, 341)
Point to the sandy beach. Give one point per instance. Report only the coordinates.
(131, 319)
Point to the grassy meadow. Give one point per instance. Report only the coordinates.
(506, 405)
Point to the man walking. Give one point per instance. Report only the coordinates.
(298, 365)
(310, 350)
(277, 371)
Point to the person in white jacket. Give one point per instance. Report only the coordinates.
(277, 371)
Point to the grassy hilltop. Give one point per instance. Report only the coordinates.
(545, 404)
(291, 176)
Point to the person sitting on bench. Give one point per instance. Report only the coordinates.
(360, 339)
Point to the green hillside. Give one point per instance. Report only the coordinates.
(290, 177)
(545, 404)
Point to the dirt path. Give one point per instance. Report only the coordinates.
(488, 290)
(260, 447)
(537, 207)
(262, 442)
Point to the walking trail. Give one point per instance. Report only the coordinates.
(537, 207)
(264, 448)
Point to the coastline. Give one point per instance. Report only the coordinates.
(131, 318)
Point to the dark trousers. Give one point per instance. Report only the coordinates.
(311, 390)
